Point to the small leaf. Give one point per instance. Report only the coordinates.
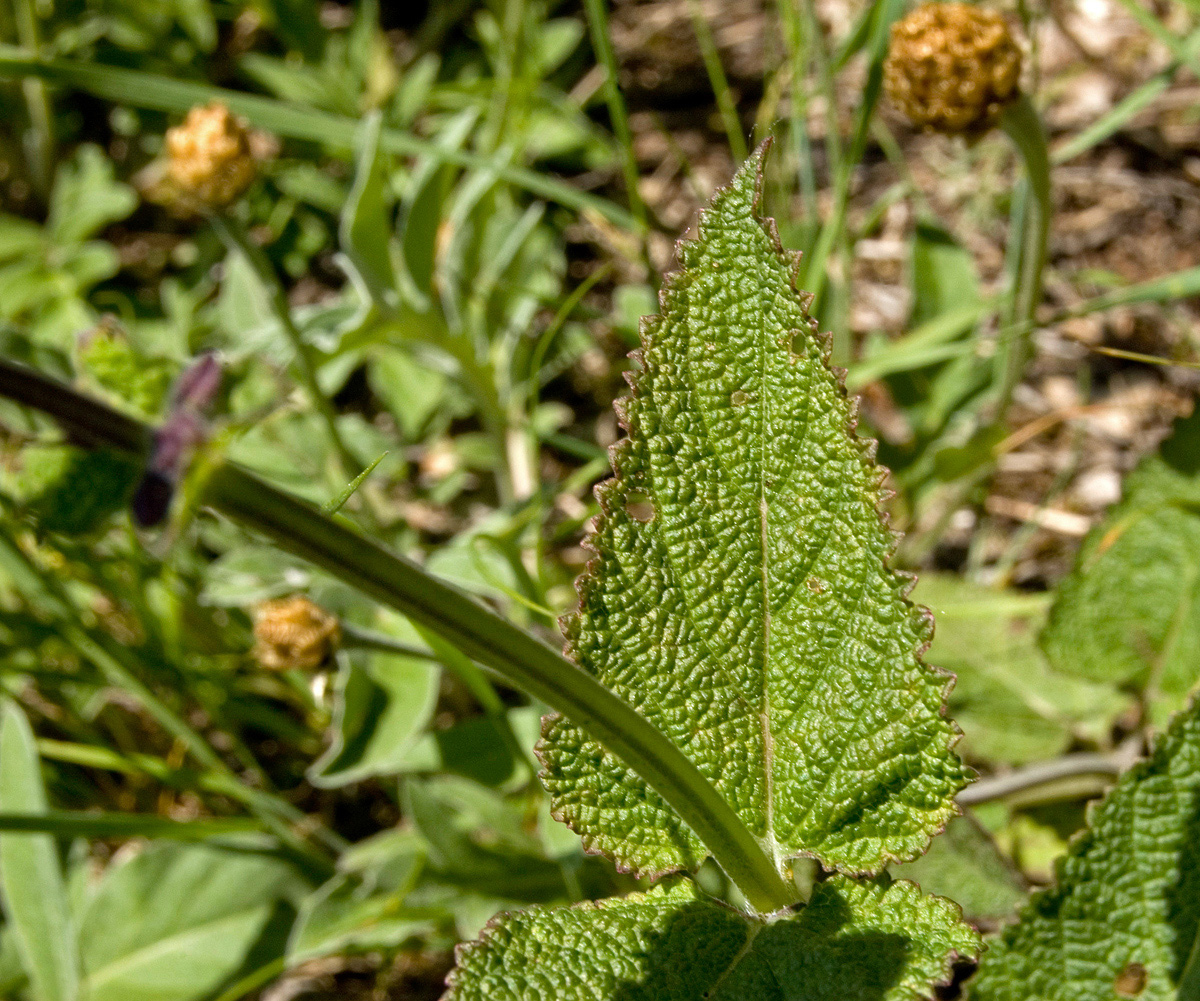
(943, 274)
(363, 906)
(878, 940)
(1130, 609)
(365, 229)
(965, 865)
(1127, 893)
(384, 702)
(740, 598)
(35, 899)
(86, 197)
(249, 325)
(412, 392)
(174, 922)
(129, 377)
(1012, 707)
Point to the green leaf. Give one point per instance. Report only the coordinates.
(965, 865)
(1012, 706)
(175, 922)
(740, 598)
(477, 748)
(943, 274)
(244, 313)
(412, 392)
(34, 896)
(86, 197)
(133, 380)
(365, 229)
(363, 906)
(879, 940)
(1125, 909)
(81, 489)
(1129, 611)
(384, 702)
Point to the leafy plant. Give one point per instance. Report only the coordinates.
(742, 518)
(418, 303)
(1129, 612)
(1123, 917)
(771, 726)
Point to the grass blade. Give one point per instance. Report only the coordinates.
(35, 899)
(597, 18)
(84, 824)
(1133, 103)
(719, 82)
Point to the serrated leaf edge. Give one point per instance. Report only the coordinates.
(1085, 836)
(877, 475)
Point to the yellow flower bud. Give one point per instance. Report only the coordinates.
(952, 67)
(209, 160)
(294, 633)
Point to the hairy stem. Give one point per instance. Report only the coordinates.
(518, 658)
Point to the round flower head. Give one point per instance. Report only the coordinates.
(952, 67)
(209, 160)
(294, 633)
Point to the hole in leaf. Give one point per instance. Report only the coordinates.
(795, 342)
(638, 506)
(1131, 981)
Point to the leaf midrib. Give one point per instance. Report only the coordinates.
(768, 736)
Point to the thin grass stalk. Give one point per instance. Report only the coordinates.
(618, 114)
(718, 81)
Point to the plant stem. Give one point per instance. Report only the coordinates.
(1045, 777)
(1021, 122)
(597, 18)
(519, 658)
(718, 81)
(40, 145)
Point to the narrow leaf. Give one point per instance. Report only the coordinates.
(1122, 919)
(365, 229)
(339, 502)
(878, 940)
(35, 899)
(740, 597)
(164, 93)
